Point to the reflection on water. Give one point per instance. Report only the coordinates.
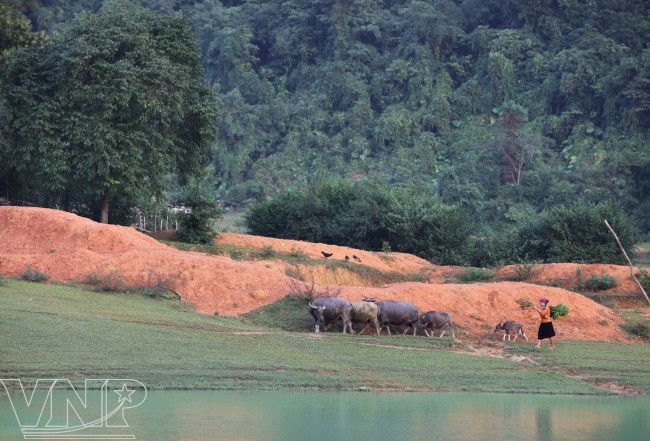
(252, 415)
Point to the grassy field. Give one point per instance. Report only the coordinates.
(54, 331)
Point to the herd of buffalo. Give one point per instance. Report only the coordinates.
(328, 310)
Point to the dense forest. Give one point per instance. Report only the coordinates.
(504, 108)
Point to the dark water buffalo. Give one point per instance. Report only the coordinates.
(437, 320)
(327, 310)
(510, 327)
(398, 314)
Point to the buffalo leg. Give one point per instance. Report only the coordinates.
(366, 326)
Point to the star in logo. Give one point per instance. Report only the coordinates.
(124, 393)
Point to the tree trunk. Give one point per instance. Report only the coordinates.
(10, 179)
(103, 218)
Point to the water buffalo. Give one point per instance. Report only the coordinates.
(437, 320)
(398, 314)
(366, 313)
(327, 310)
(510, 327)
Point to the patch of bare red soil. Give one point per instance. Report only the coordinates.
(67, 247)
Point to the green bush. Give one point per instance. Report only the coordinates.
(600, 282)
(366, 215)
(33, 275)
(525, 271)
(559, 310)
(268, 252)
(577, 233)
(524, 303)
(196, 224)
(112, 281)
(493, 249)
(476, 275)
(638, 328)
(644, 279)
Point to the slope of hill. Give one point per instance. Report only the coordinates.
(67, 247)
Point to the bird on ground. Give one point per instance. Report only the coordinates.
(326, 254)
(356, 258)
(347, 257)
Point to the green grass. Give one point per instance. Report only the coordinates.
(624, 364)
(54, 331)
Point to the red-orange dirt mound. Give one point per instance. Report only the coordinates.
(67, 247)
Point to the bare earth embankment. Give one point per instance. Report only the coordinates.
(71, 248)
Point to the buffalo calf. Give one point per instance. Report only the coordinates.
(433, 320)
(510, 327)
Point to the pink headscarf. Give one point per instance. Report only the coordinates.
(544, 300)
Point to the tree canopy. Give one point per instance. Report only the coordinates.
(111, 107)
(503, 109)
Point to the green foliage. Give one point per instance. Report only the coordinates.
(525, 271)
(577, 233)
(16, 30)
(365, 215)
(644, 279)
(111, 281)
(126, 106)
(32, 275)
(268, 252)
(558, 311)
(475, 275)
(505, 109)
(595, 282)
(197, 221)
(638, 329)
(524, 303)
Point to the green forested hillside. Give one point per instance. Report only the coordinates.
(502, 107)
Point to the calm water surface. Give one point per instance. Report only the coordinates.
(313, 416)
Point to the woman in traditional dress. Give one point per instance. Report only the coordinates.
(546, 329)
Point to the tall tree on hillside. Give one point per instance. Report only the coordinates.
(135, 107)
(131, 105)
(16, 32)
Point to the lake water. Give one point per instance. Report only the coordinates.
(314, 416)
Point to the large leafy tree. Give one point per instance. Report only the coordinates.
(134, 106)
(131, 108)
(16, 32)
